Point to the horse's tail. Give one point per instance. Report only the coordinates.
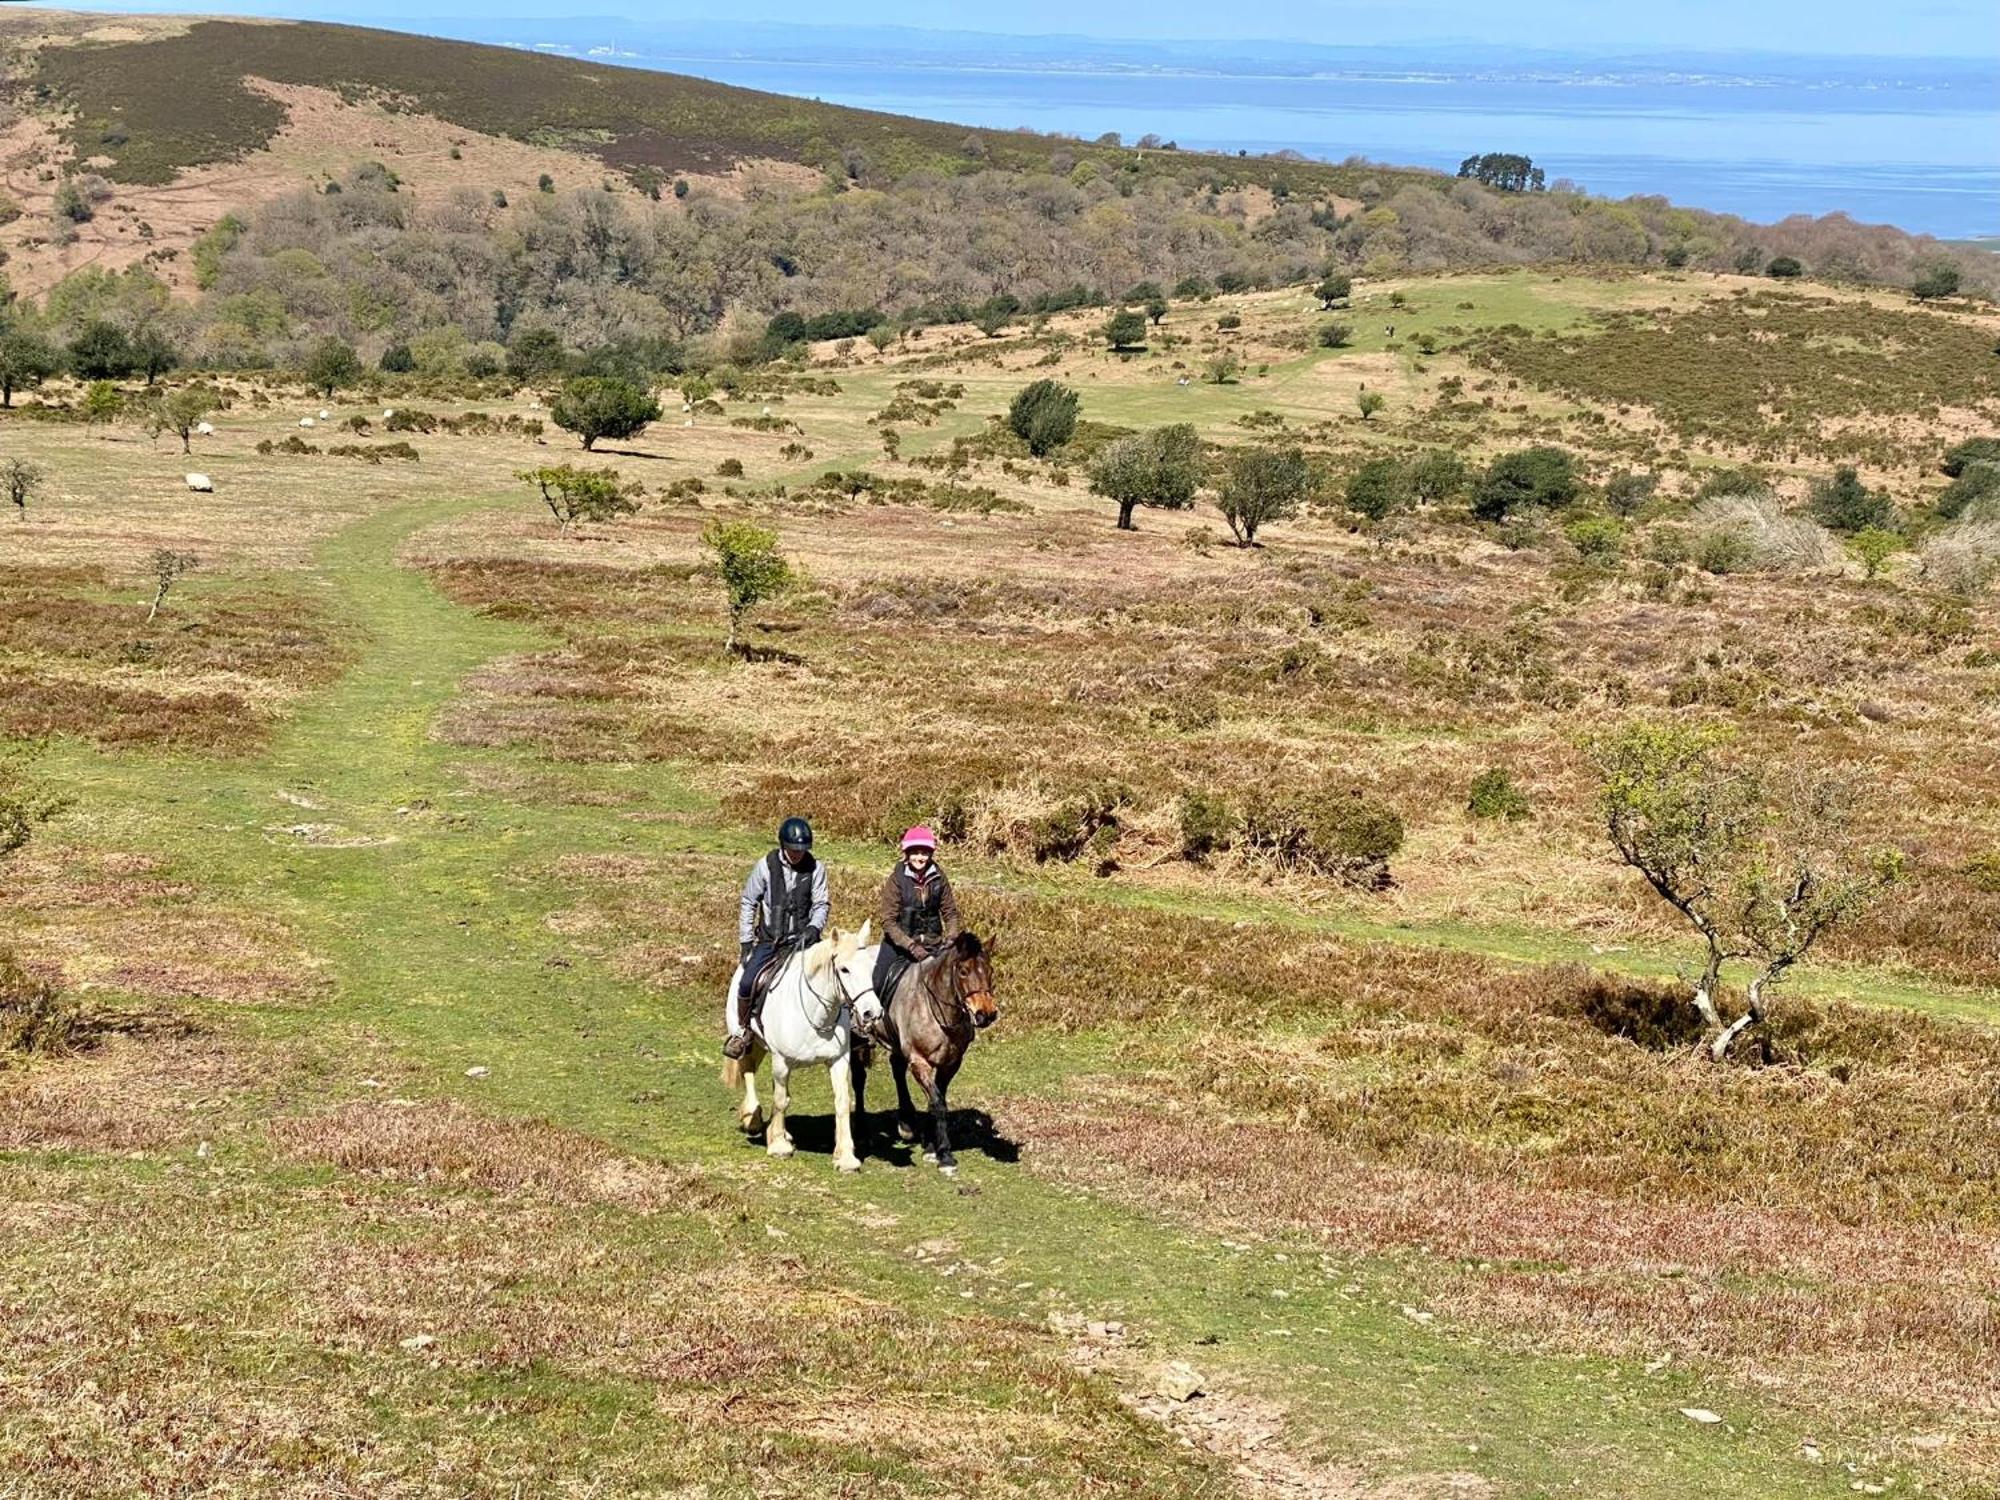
(732, 1073)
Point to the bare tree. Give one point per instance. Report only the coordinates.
(169, 567)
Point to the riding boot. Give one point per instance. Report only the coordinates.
(736, 1046)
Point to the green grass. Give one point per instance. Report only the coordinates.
(440, 951)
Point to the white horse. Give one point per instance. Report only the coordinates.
(807, 1021)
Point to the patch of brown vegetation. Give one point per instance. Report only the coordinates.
(146, 1084)
(443, 1142)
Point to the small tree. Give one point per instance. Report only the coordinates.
(25, 362)
(1043, 415)
(397, 359)
(1873, 547)
(602, 406)
(20, 481)
(24, 806)
(1125, 330)
(1156, 308)
(1160, 468)
(102, 351)
(1221, 368)
(1378, 488)
(1334, 334)
(1438, 476)
(574, 495)
(169, 567)
(1761, 868)
(1938, 280)
(536, 354)
(1785, 268)
(750, 565)
(1533, 476)
(1334, 291)
(181, 411)
(1368, 403)
(331, 365)
(154, 352)
(101, 403)
(1261, 485)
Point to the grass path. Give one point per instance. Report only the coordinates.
(430, 905)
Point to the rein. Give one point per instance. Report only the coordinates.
(840, 998)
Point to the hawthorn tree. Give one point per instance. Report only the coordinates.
(169, 568)
(603, 406)
(1125, 330)
(1156, 308)
(20, 482)
(1334, 290)
(1043, 415)
(1532, 476)
(1261, 485)
(181, 411)
(331, 365)
(751, 568)
(26, 360)
(1762, 866)
(573, 494)
(1940, 279)
(1161, 468)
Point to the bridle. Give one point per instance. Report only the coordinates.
(841, 996)
(960, 1002)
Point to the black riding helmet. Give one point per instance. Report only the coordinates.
(795, 833)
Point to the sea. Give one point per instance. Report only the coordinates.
(1925, 156)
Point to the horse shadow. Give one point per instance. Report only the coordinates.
(875, 1136)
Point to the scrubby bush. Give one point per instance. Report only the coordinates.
(1261, 485)
(1597, 539)
(1334, 334)
(730, 468)
(1629, 492)
(1438, 477)
(1961, 456)
(1494, 795)
(1752, 533)
(1962, 560)
(1043, 415)
(1544, 477)
(1785, 268)
(1378, 488)
(35, 1017)
(1843, 503)
(1335, 831)
(1873, 547)
(1207, 824)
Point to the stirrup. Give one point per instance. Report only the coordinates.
(737, 1044)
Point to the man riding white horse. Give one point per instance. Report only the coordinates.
(785, 909)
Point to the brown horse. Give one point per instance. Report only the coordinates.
(938, 1007)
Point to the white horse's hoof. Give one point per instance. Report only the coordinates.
(849, 1164)
(949, 1171)
(931, 1157)
(781, 1148)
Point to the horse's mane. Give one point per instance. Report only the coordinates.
(967, 945)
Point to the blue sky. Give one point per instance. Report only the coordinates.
(1942, 28)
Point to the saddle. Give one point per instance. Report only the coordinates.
(760, 986)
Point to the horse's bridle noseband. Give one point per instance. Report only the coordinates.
(840, 987)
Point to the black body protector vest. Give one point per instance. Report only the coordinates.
(787, 913)
(920, 916)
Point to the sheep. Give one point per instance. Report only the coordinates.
(388, 412)
(204, 429)
(324, 414)
(201, 483)
(305, 421)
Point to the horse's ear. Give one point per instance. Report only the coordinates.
(862, 940)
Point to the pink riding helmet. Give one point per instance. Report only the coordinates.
(920, 837)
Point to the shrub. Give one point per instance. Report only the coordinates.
(1378, 488)
(1228, 323)
(730, 468)
(1368, 403)
(751, 568)
(1125, 329)
(1335, 831)
(1599, 539)
(1844, 504)
(1963, 560)
(1333, 334)
(1043, 415)
(1785, 268)
(1494, 795)
(1630, 492)
(1744, 533)
(1261, 485)
(1979, 450)
(1220, 369)
(398, 359)
(1939, 280)
(35, 1017)
(1207, 824)
(1438, 476)
(1975, 483)
(1532, 476)
(1874, 547)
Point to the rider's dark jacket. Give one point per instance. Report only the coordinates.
(917, 908)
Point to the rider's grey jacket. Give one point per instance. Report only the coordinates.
(758, 887)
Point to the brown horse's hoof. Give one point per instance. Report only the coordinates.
(905, 1132)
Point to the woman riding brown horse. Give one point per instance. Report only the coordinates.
(938, 1006)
